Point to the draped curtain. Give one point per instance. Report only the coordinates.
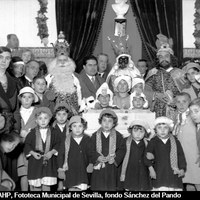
(159, 16)
(81, 21)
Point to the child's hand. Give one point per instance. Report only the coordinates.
(24, 133)
(181, 173)
(36, 155)
(111, 160)
(101, 159)
(61, 174)
(152, 173)
(150, 156)
(48, 155)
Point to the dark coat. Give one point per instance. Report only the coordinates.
(78, 160)
(162, 165)
(137, 175)
(49, 170)
(107, 179)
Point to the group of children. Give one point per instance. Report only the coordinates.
(57, 152)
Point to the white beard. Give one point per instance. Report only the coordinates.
(63, 81)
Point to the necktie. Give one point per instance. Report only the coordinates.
(93, 81)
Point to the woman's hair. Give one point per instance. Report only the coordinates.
(9, 137)
(82, 122)
(4, 49)
(115, 119)
(195, 102)
(42, 69)
(146, 135)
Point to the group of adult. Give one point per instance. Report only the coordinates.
(64, 84)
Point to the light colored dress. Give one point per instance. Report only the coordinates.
(187, 138)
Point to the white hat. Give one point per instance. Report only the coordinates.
(104, 90)
(136, 94)
(137, 80)
(128, 79)
(141, 123)
(164, 120)
(28, 89)
(191, 65)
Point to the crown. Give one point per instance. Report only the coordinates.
(119, 44)
(164, 44)
(61, 46)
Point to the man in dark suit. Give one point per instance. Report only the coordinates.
(32, 69)
(89, 79)
(103, 68)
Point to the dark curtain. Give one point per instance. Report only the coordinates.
(159, 16)
(81, 21)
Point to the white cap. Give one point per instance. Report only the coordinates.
(138, 95)
(128, 79)
(28, 90)
(104, 90)
(140, 123)
(164, 120)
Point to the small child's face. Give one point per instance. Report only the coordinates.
(122, 86)
(40, 85)
(104, 99)
(138, 132)
(182, 103)
(9, 146)
(77, 128)
(61, 116)
(26, 56)
(162, 130)
(27, 100)
(138, 88)
(195, 113)
(107, 123)
(43, 120)
(138, 102)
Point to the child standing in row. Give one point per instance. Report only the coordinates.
(195, 115)
(107, 153)
(41, 149)
(185, 130)
(62, 114)
(27, 97)
(169, 160)
(135, 174)
(73, 156)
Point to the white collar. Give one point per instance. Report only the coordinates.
(78, 139)
(28, 79)
(106, 134)
(164, 140)
(26, 109)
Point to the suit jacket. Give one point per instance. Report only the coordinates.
(105, 74)
(87, 87)
(24, 82)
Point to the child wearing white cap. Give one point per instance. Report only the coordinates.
(169, 164)
(73, 157)
(107, 153)
(41, 149)
(26, 97)
(104, 97)
(138, 101)
(135, 174)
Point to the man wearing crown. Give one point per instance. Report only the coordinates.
(63, 85)
(163, 83)
(123, 65)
